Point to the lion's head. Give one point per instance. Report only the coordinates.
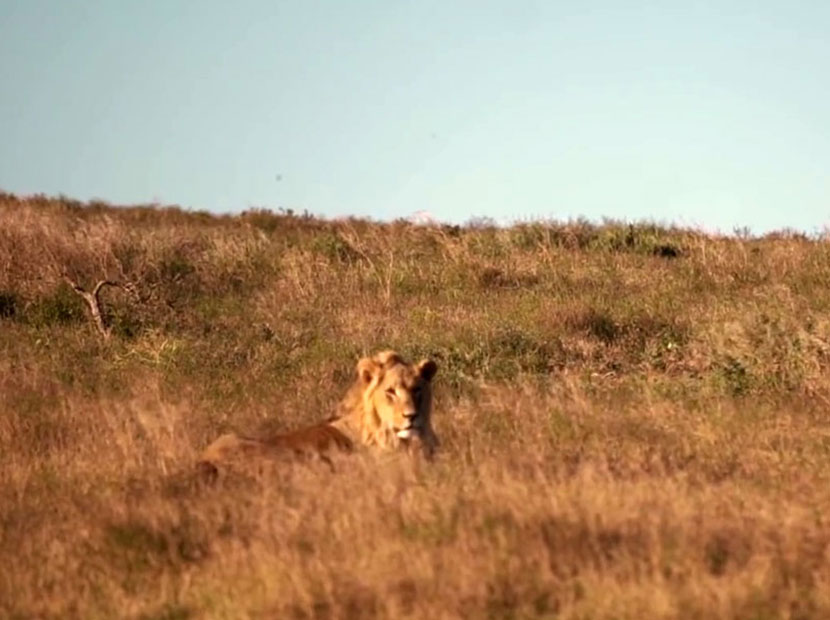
(393, 401)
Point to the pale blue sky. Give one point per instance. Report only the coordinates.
(713, 114)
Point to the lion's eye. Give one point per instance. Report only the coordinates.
(390, 393)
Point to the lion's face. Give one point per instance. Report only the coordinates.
(398, 394)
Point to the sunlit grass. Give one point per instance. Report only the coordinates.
(633, 419)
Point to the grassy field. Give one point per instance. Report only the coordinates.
(635, 420)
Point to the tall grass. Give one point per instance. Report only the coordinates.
(634, 419)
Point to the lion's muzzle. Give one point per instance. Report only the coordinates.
(412, 426)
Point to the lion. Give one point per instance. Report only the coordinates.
(388, 408)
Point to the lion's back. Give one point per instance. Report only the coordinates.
(320, 438)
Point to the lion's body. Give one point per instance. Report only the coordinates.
(388, 408)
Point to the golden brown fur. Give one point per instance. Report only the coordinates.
(388, 407)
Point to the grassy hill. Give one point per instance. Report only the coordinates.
(635, 420)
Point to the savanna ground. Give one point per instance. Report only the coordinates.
(635, 419)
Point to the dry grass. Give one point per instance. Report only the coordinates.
(634, 419)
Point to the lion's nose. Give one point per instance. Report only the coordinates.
(410, 414)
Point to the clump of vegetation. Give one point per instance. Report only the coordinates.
(633, 417)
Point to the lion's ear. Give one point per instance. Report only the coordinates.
(367, 369)
(427, 369)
